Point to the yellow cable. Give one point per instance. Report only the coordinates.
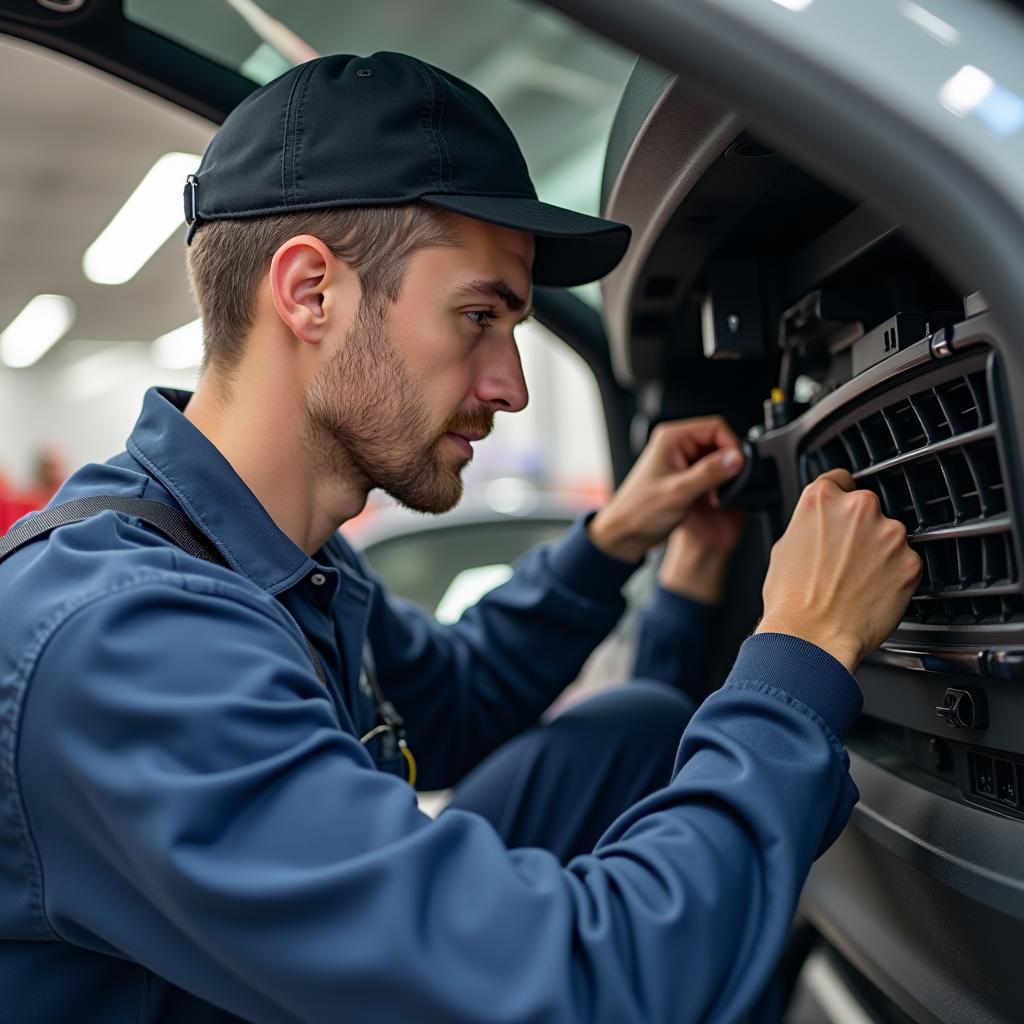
(404, 747)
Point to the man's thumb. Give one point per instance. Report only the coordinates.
(709, 472)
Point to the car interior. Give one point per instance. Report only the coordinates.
(828, 340)
(809, 319)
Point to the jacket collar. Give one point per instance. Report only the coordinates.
(213, 495)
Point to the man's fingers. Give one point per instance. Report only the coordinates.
(707, 431)
(691, 437)
(714, 433)
(708, 473)
(841, 478)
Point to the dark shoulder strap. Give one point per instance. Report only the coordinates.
(170, 521)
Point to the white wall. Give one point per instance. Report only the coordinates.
(86, 409)
(88, 402)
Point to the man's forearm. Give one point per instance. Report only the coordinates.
(674, 641)
(466, 688)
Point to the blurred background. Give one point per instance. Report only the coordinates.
(94, 304)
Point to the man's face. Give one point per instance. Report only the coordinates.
(406, 393)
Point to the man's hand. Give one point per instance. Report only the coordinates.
(682, 462)
(698, 551)
(842, 573)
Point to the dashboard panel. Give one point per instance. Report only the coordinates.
(815, 325)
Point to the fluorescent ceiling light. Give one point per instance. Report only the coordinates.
(150, 216)
(966, 90)
(36, 329)
(931, 23)
(180, 349)
(103, 371)
(794, 5)
(971, 91)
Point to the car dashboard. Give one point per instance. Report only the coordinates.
(812, 321)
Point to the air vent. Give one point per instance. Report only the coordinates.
(932, 457)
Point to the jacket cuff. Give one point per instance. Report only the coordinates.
(803, 671)
(582, 566)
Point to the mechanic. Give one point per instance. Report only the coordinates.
(212, 709)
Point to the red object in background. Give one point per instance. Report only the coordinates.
(49, 473)
(14, 505)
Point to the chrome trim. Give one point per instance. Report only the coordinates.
(957, 663)
(978, 528)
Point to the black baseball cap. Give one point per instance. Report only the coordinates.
(343, 130)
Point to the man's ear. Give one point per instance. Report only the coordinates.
(302, 274)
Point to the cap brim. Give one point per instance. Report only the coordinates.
(572, 248)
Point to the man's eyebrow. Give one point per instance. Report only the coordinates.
(497, 288)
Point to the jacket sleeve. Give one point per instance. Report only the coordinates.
(674, 638)
(196, 808)
(465, 688)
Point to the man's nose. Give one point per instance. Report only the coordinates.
(501, 384)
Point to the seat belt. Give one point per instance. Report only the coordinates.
(179, 529)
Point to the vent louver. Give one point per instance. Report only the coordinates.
(932, 457)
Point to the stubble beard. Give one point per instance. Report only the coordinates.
(366, 418)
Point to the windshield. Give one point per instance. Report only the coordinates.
(555, 84)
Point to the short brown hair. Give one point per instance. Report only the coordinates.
(228, 258)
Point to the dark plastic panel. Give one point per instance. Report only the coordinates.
(926, 897)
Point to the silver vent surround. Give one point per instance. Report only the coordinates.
(932, 448)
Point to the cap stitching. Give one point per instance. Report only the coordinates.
(296, 136)
(440, 119)
(433, 126)
(284, 142)
(287, 148)
(431, 129)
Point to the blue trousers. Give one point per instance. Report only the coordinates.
(560, 784)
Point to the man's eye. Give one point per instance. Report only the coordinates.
(485, 317)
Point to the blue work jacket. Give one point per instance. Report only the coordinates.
(190, 828)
